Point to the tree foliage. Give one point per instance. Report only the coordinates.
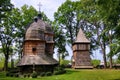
(60, 42)
(6, 30)
(109, 10)
(95, 62)
(65, 17)
(5, 6)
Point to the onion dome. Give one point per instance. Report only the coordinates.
(37, 29)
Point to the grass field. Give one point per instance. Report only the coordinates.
(75, 75)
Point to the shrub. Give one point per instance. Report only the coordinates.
(48, 74)
(34, 75)
(15, 70)
(63, 71)
(11, 74)
(42, 74)
(7, 74)
(56, 73)
(95, 63)
(61, 67)
(17, 75)
(64, 63)
(59, 72)
(25, 75)
(28, 75)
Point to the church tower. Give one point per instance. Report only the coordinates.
(81, 57)
(38, 48)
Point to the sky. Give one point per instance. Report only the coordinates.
(49, 7)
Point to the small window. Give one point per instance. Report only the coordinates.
(33, 49)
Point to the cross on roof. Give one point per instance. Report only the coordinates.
(39, 5)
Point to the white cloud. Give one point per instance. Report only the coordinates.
(48, 6)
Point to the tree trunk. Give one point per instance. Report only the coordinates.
(111, 54)
(12, 63)
(59, 57)
(110, 62)
(104, 56)
(71, 35)
(102, 45)
(6, 63)
(6, 59)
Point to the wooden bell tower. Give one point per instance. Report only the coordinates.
(81, 57)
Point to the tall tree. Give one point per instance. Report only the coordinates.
(5, 29)
(5, 6)
(109, 10)
(7, 35)
(60, 42)
(66, 18)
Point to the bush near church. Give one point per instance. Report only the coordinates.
(34, 74)
(59, 70)
(95, 63)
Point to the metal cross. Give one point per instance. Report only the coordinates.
(39, 5)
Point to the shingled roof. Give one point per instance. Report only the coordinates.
(37, 28)
(81, 38)
(37, 60)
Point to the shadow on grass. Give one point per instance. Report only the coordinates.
(116, 79)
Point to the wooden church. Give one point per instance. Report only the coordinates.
(81, 57)
(38, 48)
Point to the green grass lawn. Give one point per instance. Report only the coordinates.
(75, 75)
